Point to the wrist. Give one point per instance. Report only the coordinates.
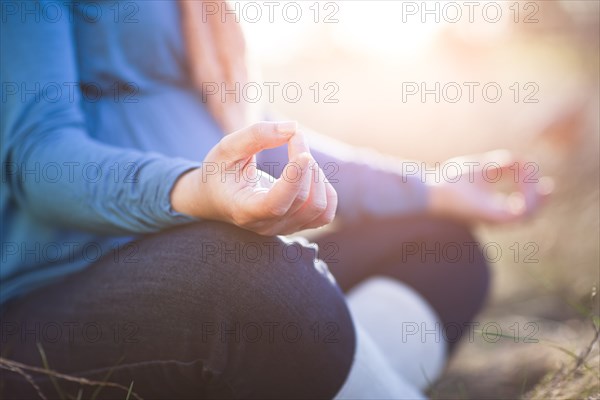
(185, 193)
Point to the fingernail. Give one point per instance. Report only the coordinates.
(287, 127)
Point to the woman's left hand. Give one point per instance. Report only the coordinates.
(475, 194)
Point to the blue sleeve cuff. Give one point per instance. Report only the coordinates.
(163, 209)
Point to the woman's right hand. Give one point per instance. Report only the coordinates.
(228, 186)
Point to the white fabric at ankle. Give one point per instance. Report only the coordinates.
(371, 376)
(403, 326)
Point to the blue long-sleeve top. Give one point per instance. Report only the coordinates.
(99, 118)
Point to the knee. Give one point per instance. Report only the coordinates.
(268, 312)
(467, 275)
(222, 262)
(460, 252)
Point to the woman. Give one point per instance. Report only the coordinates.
(125, 258)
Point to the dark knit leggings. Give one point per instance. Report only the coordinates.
(213, 311)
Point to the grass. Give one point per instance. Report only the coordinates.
(55, 377)
(577, 379)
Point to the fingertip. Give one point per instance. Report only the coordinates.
(298, 144)
(332, 203)
(545, 186)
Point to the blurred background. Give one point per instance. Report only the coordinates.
(366, 59)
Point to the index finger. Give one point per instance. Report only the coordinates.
(250, 140)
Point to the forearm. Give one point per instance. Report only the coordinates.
(69, 180)
(368, 183)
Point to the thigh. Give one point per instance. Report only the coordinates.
(439, 258)
(206, 310)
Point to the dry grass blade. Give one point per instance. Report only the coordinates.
(106, 378)
(578, 381)
(27, 377)
(46, 365)
(11, 365)
(130, 390)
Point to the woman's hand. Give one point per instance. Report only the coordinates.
(229, 187)
(475, 194)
